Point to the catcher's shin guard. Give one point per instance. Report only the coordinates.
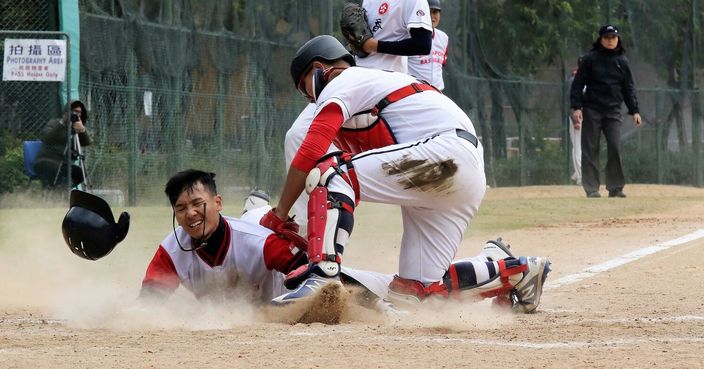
(330, 223)
(461, 280)
(519, 282)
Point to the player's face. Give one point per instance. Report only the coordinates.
(609, 41)
(307, 84)
(197, 210)
(435, 17)
(305, 87)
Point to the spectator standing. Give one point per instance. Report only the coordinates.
(607, 74)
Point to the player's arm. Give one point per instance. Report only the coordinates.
(282, 255)
(322, 131)
(628, 88)
(419, 43)
(447, 50)
(161, 278)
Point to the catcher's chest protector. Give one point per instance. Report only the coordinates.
(369, 131)
(358, 135)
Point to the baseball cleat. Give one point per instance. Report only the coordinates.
(307, 288)
(495, 250)
(525, 296)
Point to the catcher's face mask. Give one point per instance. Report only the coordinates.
(89, 228)
(320, 79)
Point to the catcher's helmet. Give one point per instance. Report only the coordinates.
(323, 47)
(89, 228)
(434, 4)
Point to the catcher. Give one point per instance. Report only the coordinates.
(381, 33)
(433, 171)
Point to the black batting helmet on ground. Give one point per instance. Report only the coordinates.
(323, 47)
(89, 228)
(434, 4)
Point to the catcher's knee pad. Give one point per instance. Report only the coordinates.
(329, 166)
(461, 279)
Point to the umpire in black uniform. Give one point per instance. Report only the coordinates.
(606, 73)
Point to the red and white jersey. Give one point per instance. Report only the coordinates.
(392, 20)
(357, 90)
(429, 67)
(240, 264)
(412, 118)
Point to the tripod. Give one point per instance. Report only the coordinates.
(80, 158)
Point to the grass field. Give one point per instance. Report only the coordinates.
(59, 311)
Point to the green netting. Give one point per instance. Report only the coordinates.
(185, 83)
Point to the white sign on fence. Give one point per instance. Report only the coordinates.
(34, 60)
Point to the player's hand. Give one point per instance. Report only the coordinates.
(370, 46)
(78, 127)
(278, 225)
(637, 120)
(577, 117)
(272, 221)
(286, 229)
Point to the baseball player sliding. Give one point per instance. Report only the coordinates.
(420, 152)
(214, 256)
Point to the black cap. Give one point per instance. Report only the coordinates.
(434, 4)
(608, 29)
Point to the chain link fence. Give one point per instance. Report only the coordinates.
(174, 84)
(26, 106)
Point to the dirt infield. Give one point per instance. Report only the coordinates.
(644, 310)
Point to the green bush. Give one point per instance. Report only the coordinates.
(12, 174)
(543, 164)
(640, 165)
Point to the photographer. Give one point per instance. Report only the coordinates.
(51, 161)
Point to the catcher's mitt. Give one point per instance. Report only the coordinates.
(354, 27)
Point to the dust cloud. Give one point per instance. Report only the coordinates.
(41, 276)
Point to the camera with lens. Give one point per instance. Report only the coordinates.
(75, 117)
